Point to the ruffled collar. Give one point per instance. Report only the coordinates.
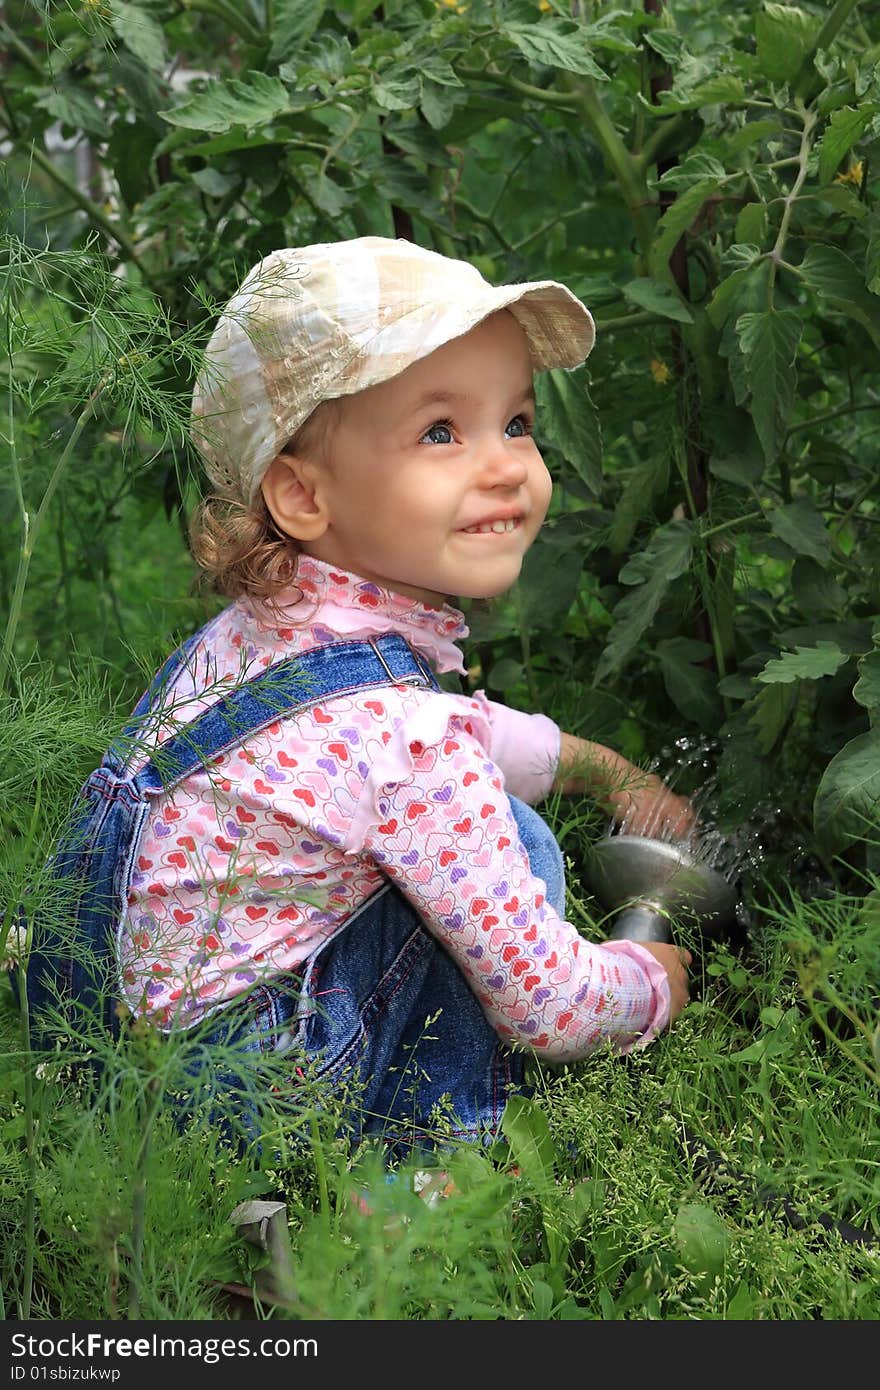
(333, 603)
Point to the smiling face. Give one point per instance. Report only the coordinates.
(431, 483)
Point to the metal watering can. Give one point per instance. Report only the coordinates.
(649, 881)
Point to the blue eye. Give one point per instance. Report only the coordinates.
(439, 433)
(517, 428)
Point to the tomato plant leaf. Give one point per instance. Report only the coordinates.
(250, 101)
(659, 299)
(803, 528)
(804, 663)
(567, 419)
(784, 35)
(846, 806)
(769, 342)
(843, 130)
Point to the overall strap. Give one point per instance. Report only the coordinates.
(292, 684)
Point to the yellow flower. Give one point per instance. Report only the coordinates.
(544, 6)
(659, 371)
(853, 174)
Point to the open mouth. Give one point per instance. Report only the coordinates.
(497, 528)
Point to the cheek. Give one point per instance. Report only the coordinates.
(542, 488)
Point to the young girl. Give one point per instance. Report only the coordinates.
(332, 856)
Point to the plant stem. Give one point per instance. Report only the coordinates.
(30, 1131)
(627, 170)
(139, 1196)
(110, 228)
(736, 521)
(230, 14)
(545, 95)
(30, 530)
(637, 320)
(824, 39)
(809, 121)
(833, 415)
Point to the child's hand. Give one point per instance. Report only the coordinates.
(653, 810)
(634, 798)
(675, 961)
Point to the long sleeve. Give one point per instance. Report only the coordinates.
(444, 832)
(525, 747)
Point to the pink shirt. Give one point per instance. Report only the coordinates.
(251, 863)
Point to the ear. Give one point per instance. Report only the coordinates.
(291, 491)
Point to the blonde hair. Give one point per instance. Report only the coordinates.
(240, 548)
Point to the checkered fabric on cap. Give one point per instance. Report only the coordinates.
(314, 323)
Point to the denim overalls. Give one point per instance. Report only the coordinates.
(356, 1013)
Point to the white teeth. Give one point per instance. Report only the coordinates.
(487, 527)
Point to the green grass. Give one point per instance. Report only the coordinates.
(602, 1205)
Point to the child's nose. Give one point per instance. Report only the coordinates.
(503, 466)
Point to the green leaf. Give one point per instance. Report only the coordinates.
(702, 1239)
(721, 89)
(74, 107)
(669, 551)
(802, 528)
(675, 222)
(784, 36)
(659, 299)
(771, 711)
(843, 198)
(554, 44)
(397, 94)
(815, 590)
(437, 103)
(693, 169)
(750, 133)
(248, 102)
(293, 23)
(841, 133)
(833, 276)
(692, 688)
(668, 43)
(141, 34)
(667, 555)
(866, 690)
(130, 154)
(804, 663)
(567, 419)
(326, 193)
(525, 1127)
(548, 581)
(730, 291)
(847, 801)
(213, 182)
(751, 224)
(769, 343)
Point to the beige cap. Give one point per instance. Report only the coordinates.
(313, 323)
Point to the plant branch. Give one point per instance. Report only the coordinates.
(824, 39)
(626, 169)
(94, 213)
(30, 530)
(638, 320)
(560, 101)
(230, 14)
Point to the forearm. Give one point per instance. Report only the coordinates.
(625, 792)
(590, 769)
